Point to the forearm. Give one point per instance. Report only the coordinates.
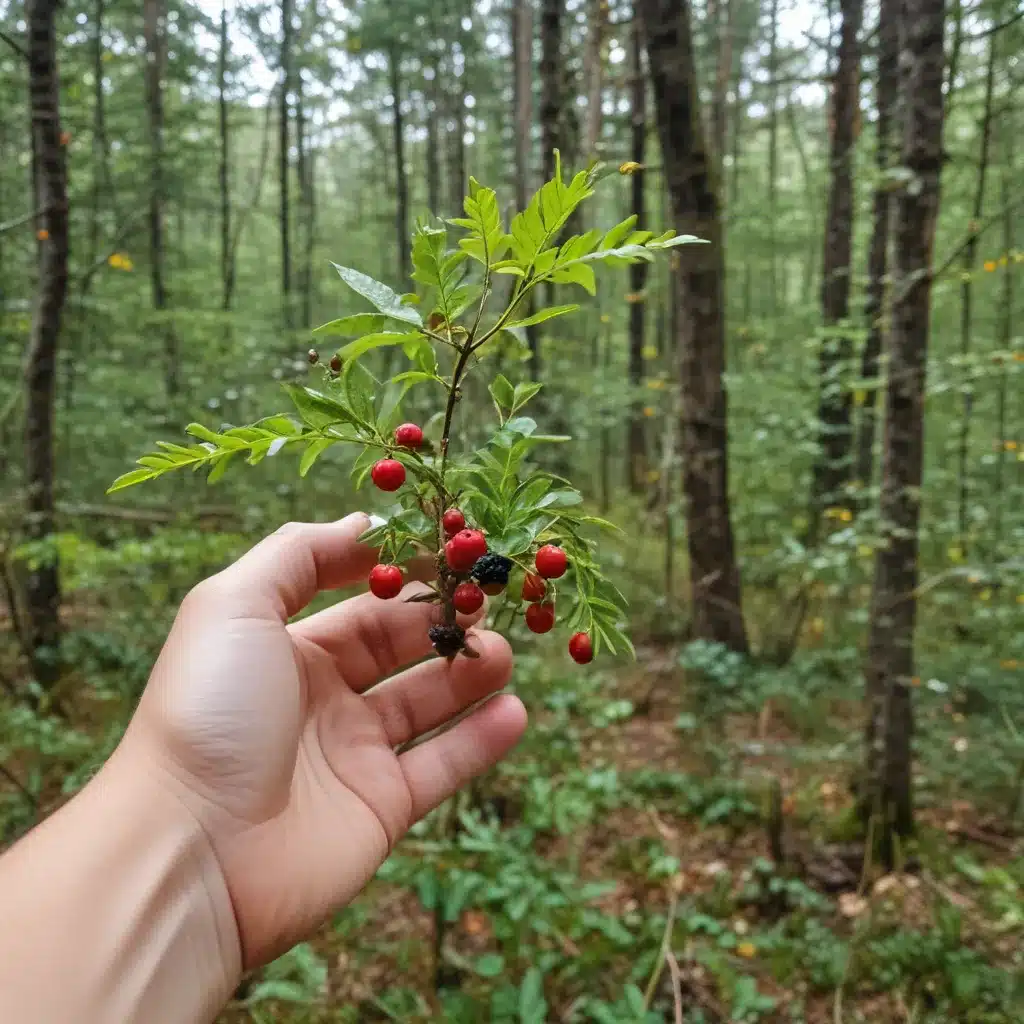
(114, 910)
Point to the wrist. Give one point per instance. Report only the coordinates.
(123, 886)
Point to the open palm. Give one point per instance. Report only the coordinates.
(282, 745)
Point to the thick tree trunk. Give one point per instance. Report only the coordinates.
(401, 181)
(42, 589)
(890, 655)
(835, 405)
(878, 253)
(227, 271)
(550, 84)
(689, 172)
(966, 313)
(637, 271)
(154, 28)
(283, 159)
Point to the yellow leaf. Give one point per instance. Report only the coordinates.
(865, 550)
(746, 950)
(1010, 446)
(985, 595)
(630, 167)
(990, 265)
(955, 554)
(650, 352)
(1009, 663)
(605, 318)
(648, 410)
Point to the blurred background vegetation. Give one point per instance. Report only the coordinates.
(678, 838)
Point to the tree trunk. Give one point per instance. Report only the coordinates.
(153, 27)
(890, 655)
(227, 270)
(966, 315)
(550, 84)
(592, 74)
(100, 147)
(878, 253)
(457, 149)
(401, 182)
(723, 75)
(637, 271)
(304, 169)
(1007, 185)
(522, 57)
(42, 589)
(714, 574)
(773, 155)
(283, 156)
(832, 465)
(433, 149)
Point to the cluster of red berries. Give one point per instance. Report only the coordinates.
(465, 551)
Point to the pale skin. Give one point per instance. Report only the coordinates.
(257, 789)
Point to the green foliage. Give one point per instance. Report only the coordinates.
(518, 505)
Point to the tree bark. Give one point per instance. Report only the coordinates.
(305, 171)
(550, 84)
(283, 156)
(597, 11)
(100, 146)
(401, 181)
(835, 405)
(42, 588)
(522, 57)
(637, 271)
(723, 75)
(773, 156)
(1007, 184)
(890, 654)
(878, 253)
(457, 149)
(970, 258)
(227, 269)
(714, 573)
(433, 148)
(153, 29)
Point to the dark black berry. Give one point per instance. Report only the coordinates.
(448, 640)
(491, 568)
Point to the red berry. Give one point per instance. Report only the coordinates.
(540, 617)
(408, 435)
(468, 598)
(534, 587)
(581, 648)
(462, 551)
(388, 474)
(453, 521)
(385, 581)
(551, 562)
(336, 364)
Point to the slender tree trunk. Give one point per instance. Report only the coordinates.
(284, 161)
(522, 57)
(433, 149)
(42, 589)
(592, 74)
(835, 406)
(305, 171)
(457, 149)
(1007, 183)
(689, 170)
(227, 269)
(811, 262)
(966, 312)
(100, 148)
(550, 84)
(890, 655)
(955, 50)
(773, 156)
(401, 181)
(637, 271)
(154, 28)
(878, 253)
(723, 75)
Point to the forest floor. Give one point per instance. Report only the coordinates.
(630, 860)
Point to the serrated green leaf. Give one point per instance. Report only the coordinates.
(577, 273)
(362, 345)
(313, 451)
(383, 298)
(487, 242)
(543, 314)
(353, 326)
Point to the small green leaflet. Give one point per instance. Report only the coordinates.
(487, 242)
(543, 314)
(352, 326)
(388, 301)
(354, 349)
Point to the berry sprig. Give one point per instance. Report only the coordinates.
(487, 516)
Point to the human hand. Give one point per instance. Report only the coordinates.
(276, 739)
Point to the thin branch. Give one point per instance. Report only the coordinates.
(677, 985)
(979, 229)
(14, 45)
(993, 29)
(25, 218)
